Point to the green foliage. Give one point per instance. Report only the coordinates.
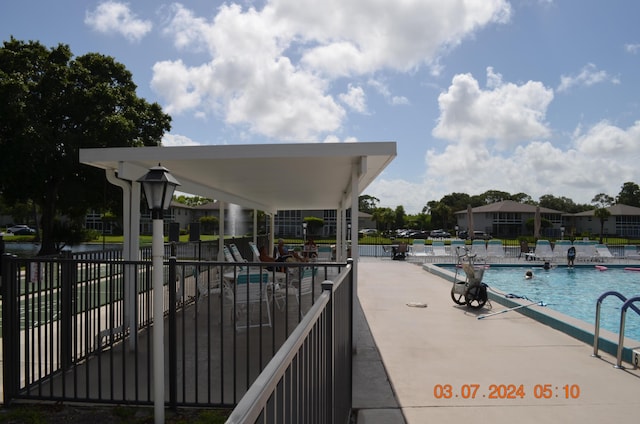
(629, 194)
(192, 200)
(314, 224)
(367, 203)
(53, 105)
(208, 224)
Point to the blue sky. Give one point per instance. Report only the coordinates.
(533, 96)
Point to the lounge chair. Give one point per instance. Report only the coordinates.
(479, 248)
(631, 252)
(543, 250)
(560, 249)
(495, 249)
(236, 253)
(585, 251)
(603, 252)
(255, 251)
(439, 249)
(418, 248)
(455, 244)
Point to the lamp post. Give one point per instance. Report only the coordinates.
(158, 185)
(304, 231)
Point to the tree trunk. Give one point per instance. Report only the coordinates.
(48, 208)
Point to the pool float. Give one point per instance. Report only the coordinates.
(631, 269)
(603, 268)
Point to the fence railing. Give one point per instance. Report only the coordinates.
(310, 378)
(77, 329)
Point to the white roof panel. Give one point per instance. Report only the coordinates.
(268, 177)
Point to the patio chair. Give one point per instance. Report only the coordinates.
(526, 251)
(495, 249)
(400, 252)
(250, 292)
(305, 287)
(324, 253)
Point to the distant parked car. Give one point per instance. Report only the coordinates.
(368, 231)
(439, 234)
(419, 235)
(481, 235)
(21, 230)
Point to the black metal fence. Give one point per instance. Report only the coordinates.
(78, 329)
(310, 379)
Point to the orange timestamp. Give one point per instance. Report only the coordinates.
(506, 391)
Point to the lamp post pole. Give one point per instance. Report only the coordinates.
(304, 231)
(158, 185)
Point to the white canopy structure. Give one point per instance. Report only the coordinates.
(267, 177)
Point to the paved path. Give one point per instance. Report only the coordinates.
(429, 351)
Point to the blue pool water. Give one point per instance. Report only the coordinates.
(574, 292)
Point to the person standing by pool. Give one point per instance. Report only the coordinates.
(571, 256)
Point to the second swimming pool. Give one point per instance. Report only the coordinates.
(574, 292)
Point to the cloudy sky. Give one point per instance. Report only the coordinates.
(533, 96)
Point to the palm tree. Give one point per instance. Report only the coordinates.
(602, 214)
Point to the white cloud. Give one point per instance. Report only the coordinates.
(355, 99)
(588, 76)
(506, 113)
(271, 70)
(171, 140)
(116, 17)
(632, 48)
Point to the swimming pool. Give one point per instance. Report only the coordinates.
(574, 292)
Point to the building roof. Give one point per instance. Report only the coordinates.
(615, 210)
(509, 206)
(268, 177)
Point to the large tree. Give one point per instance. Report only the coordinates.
(629, 194)
(54, 104)
(602, 202)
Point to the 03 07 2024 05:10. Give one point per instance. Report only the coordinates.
(506, 391)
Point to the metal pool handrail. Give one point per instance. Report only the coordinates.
(627, 304)
(596, 335)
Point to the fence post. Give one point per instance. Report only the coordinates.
(67, 282)
(11, 324)
(173, 362)
(329, 354)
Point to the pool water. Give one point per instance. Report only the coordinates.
(574, 292)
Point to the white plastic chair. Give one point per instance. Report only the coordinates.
(250, 292)
(418, 248)
(495, 249)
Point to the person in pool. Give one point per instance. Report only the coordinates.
(571, 256)
(528, 275)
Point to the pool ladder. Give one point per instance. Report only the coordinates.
(627, 303)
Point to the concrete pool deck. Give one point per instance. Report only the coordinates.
(444, 365)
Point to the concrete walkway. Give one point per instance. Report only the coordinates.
(444, 365)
